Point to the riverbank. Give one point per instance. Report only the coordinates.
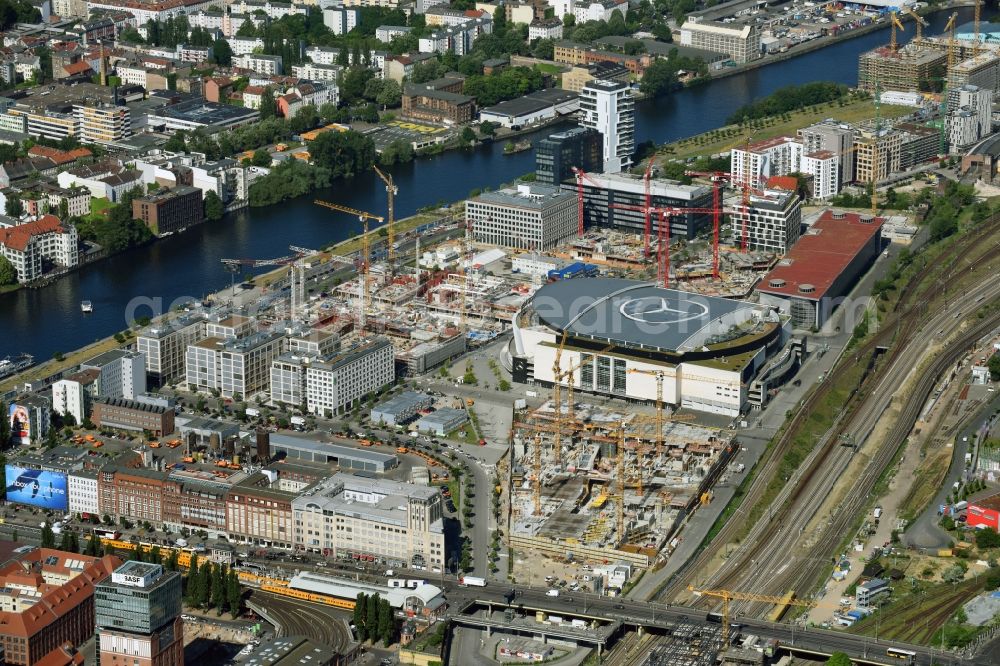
(727, 137)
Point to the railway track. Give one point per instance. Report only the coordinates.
(766, 561)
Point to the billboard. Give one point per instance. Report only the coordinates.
(36, 487)
(20, 423)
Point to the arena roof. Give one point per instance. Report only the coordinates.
(637, 314)
(821, 255)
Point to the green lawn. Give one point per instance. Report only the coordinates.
(730, 136)
(98, 205)
(546, 68)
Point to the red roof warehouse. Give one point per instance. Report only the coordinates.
(823, 266)
(985, 512)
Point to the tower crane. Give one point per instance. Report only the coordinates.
(976, 17)
(234, 265)
(649, 204)
(728, 596)
(538, 474)
(894, 23)
(718, 178)
(949, 27)
(581, 175)
(921, 24)
(365, 254)
(570, 376)
(391, 191)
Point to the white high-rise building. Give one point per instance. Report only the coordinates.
(68, 397)
(972, 119)
(759, 161)
(122, 374)
(337, 384)
(609, 108)
(772, 221)
(824, 166)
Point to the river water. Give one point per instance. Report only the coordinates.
(48, 320)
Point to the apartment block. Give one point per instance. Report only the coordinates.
(350, 515)
(165, 212)
(876, 154)
(772, 221)
(122, 373)
(259, 512)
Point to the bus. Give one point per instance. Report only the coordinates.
(107, 533)
(714, 617)
(906, 656)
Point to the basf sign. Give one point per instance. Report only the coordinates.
(36, 487)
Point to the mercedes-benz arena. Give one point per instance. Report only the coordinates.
(620, 335)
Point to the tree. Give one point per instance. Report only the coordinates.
(14, 207)
(220, 593)
(268, 107)
(214, 208)
(360, 615)
(386, 620)
(487, 128)
(993, 364)
(234, 594)
(48, 537)
(93, 546)
(64, 541)
(838, 659)
(390, 95)
(8, 275)
(222, 53)
(343, 153)
(467, 136)
(659, 79)
(261, 158)
(987, 538)
(544, 49)
(371, 617)
(177, 143)
(172, 563)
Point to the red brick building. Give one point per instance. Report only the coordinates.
(62, 614)
(122, 414)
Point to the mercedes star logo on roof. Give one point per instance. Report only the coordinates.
(658, 310)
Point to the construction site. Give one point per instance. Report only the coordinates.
(596, 484)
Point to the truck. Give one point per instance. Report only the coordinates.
(472, 581)
(298, 422)
(877, 513)
(960, 505)
(252, 412)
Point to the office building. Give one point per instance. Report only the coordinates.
(350, 515)
(132, 415)
(167, 211)
(47, 600)
(872, 592)
(29, 417)
(609, 108)
(559, 153)
(401, 408)
(438, 101)
(133, 492)
(103, 123)
(337, 384)
(165, 344)
(233, 366)
(288, 371)
(122, 373)
(138, 617)
(836, 138)
(772, 221)
(581, 74)
(81, 485)
(603, 190)
(530, 217)
(294, 651)
(740, 41)
(259, 512)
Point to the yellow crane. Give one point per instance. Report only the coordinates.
(728, 595)
(921, 24)
(895, 23)
(949, 27)
(391, 191)
(621, 487)
(365, 253)
(538, 474)
(976, 17)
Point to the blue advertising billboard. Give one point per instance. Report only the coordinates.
(36, 487)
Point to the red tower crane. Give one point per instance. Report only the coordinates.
(663, 233)
(581, 175)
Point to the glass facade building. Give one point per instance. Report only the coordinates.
(556, 155)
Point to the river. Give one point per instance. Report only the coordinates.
(48, 320)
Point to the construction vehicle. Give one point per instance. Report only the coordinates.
(98, 444)
(470, 402)
(154, 445)
(401, 449)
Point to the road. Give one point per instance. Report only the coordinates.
(924, 533)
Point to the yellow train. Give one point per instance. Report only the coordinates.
(183, 554)
(346, 604)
